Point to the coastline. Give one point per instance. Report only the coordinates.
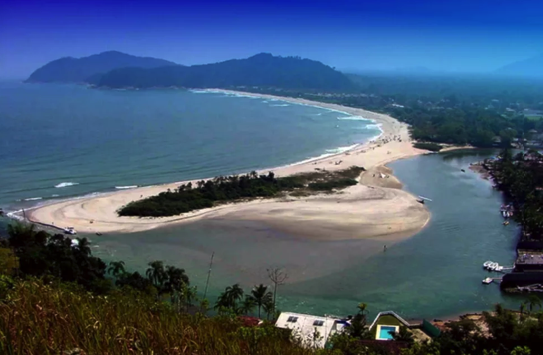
(377, 207)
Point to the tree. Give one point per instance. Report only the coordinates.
(278, 277)
(230, 298)
(157, 275)
(248, 305)
(175, 282)
(260, 295)
(359, 324)
(116, 268)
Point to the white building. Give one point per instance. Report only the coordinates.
(314, 331)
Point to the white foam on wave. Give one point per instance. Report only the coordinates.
(352, 118)
(32, 199)
(66, 184)
(280, 105)
(126, 187)
(54, 195)
(340, 150)
(374, 126)
(265, 101)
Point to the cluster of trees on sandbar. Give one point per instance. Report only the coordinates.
(222, 189)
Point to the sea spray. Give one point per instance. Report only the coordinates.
(66, 184)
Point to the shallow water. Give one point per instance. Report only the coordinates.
(437, 273)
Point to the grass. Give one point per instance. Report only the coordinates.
(54, 318)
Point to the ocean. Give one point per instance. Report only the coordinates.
(65, 141)
(87, 141)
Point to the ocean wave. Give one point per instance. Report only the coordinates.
(265, 102)
(126, 187)
(374, 126)
(54, 195)
(66, 184)
(33, 199)
(352, 118)
(340, 150)
(280, 105)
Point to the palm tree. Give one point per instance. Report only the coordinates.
(247, 306)
(116, 268)
(156, 274)
(230, 297)
(260, 296)
(174, 281)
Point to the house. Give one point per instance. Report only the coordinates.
(314, 331)
(387, 323)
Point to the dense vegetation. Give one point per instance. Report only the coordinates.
(521, 178)
(263, 70)
(73, 70)
(445, 109)
(82, 312)
(222, 189)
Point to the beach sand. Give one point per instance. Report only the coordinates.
(375, 208)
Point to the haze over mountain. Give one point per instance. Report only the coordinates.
(260, 70)
(81, 69)
(529, 67)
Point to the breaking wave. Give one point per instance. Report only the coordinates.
(66, 184)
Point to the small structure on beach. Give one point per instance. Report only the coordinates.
(314, 331)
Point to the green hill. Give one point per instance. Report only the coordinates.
(262, 70)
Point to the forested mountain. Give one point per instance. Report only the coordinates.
(263, 70)
(70, 70)
(531, 67)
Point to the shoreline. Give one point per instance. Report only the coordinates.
(345, 214)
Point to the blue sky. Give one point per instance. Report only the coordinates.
(461, 35)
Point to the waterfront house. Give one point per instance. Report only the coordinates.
(313, 331)
(388, 323)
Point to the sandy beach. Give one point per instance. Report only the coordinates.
(376, 207)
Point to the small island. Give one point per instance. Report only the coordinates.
(224, 189)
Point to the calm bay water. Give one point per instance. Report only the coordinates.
(57, 134)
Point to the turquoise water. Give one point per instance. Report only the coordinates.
(102, 139)
(61, 141)
(385, 332)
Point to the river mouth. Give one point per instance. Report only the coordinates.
(436, 273)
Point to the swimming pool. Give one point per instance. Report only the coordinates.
(384, 332)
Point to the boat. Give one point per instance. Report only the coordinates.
(506, 223)
(462, 170)
(486, 264)
(487, 281)
(98, 233)
(420, 200)
(70, 230)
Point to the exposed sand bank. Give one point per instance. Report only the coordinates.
(377, 207)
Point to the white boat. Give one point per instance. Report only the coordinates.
(487, 281)
(499, 268)
(70, 230)
(486, 264)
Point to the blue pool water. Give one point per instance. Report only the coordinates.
(385, 332)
